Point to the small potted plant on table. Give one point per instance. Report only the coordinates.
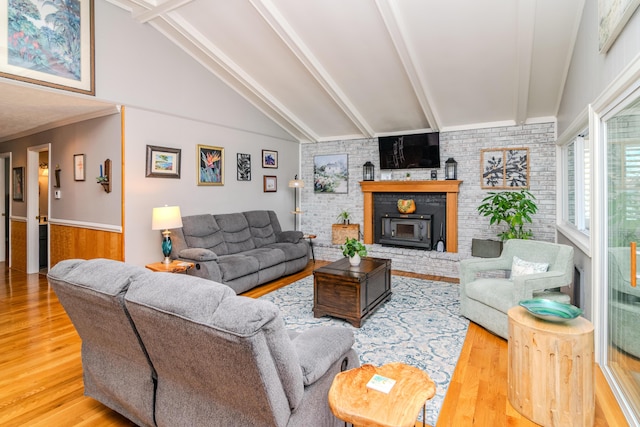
(354, 250)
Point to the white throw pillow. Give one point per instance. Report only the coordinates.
(520, 267)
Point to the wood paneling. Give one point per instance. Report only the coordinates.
(19, 245)
(77, 242)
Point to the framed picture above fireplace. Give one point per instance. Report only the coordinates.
(504, 168)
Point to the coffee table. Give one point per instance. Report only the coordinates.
(352, 401)
(351, 293)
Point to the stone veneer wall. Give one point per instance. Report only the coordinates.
(320, 210)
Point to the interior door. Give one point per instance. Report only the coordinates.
(622, 135)
(3, 213)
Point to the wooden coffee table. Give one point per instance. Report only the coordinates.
(352, 401)
(351, 293)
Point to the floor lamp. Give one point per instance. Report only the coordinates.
(296, 183)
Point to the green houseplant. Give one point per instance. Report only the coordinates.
(513, 208)
(354, 250)
(344, 217)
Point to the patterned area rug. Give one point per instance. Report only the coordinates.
(419, 326)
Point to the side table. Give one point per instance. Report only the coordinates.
(175, 266)
(310, 237)
(352, 401)
(550, 373)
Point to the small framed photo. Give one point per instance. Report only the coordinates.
(269, 159)
(385, 176)
(244, 167)
(163, 162)
(210, 165)
(78, 167)
(18, 184)
(270, 183)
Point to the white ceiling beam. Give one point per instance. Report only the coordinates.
(389, 12)
(157, 11)
(524, 48)
(287, 34)
(212, 58)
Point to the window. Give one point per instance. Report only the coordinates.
(578, 183)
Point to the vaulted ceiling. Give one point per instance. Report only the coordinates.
(339, 69)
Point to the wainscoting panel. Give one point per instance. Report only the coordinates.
(77, 242)
(19, 245)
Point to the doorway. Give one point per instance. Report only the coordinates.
(5, 167)
(37, 208)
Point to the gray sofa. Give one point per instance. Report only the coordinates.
(241, 250)
(173, 350)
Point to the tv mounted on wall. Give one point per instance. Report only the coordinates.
(410, 151)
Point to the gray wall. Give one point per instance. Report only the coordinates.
(591, 72)
(465, 147)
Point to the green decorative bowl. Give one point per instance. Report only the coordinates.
(551, 311)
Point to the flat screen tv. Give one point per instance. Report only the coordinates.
(410, 151)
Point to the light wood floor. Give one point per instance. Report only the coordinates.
(41, 372)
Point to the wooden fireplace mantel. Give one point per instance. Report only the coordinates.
(450, 187)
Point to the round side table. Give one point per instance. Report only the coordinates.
(551, 367)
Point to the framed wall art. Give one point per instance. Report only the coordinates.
(269, 159)
(163, 162)
(331, 173)
(18, 184)
(243, 167)
(49, 43)
(613, 15)
(270, 184)
(78, 167)
(504, 168)
(210, 165)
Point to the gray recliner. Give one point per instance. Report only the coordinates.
(168, 349)
(485, 297)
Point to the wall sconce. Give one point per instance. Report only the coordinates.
(103, 179)
(296, 183)
(450, 169)
(165, 218)
(368, 171)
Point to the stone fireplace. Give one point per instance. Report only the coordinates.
(436, 198)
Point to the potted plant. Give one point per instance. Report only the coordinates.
(354, 250)
(511, 207)
(344, 217)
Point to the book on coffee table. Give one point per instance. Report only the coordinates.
(380, 383)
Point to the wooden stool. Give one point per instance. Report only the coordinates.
(352, 401)
(551, 367)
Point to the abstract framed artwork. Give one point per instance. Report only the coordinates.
(269, 159)
(163, 162)
(504, 168)
(331, 173)
(210, 165)
(78, 167)
(269, 183)
(49, 43)
(243, 167)
(613, 15)
(18, 184)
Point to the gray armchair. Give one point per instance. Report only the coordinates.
(486, 299)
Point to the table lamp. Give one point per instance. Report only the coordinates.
(296, 183)
(165, 218)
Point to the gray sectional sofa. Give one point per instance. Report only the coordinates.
(168, 349)
(241, 250)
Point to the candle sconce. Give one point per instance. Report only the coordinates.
(103, 179)
(56, 174)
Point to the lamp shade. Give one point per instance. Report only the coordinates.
(166, 217)
(296, 183)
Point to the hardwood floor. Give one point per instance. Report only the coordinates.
(41, 373)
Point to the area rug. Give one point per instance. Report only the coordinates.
(420, 326)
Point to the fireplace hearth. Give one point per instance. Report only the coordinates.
(409, 230)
